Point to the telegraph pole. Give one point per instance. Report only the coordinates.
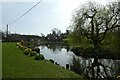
(7, 33)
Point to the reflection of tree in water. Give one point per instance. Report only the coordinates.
(99, 71)
(54, 47)
(67, 48)
(103, 69)
(75, 65)
(42, 47)
(117, 67)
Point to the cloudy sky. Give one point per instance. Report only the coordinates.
(45, 16)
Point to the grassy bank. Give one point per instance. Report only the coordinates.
(17, 65)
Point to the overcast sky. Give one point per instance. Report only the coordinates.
(45, 16)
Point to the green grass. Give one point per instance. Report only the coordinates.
(15, 64)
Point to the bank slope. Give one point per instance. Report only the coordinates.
(17, 65)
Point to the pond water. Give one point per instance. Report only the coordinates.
(62, 56)
(59, 55)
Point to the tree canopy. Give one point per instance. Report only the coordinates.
(94, 21)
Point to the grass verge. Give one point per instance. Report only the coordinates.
(17, 65)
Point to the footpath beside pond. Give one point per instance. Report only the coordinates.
(15, 64)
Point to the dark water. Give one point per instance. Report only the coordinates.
(60, 55)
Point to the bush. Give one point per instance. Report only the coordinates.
(18, 44)
(39, 57)
(22, 47)
(52, 61)
(36, 49)
(42, 57)
(56, 63)
(27, 51)
(33, 53)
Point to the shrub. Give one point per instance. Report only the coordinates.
(22, 47)
(27, 51)
(52, 61)
(42, 57)
(33, 53)
(18, 44)
(39, 57)
(56, 63)
(36, 49)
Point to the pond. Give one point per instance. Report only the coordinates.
(62, 56)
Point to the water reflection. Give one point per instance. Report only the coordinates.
(59, 55)
(76, 66)
(107, 68)
(81, 65)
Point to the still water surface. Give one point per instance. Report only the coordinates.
(60, 55)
